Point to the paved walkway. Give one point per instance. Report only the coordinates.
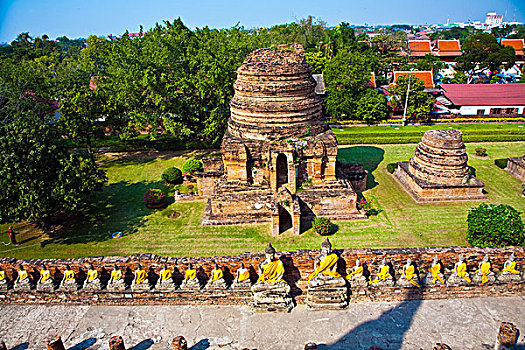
(460, 323)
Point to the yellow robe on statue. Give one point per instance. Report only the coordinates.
(383, 274)
(216, 274)
(485, 270)
(435, 271)
(2, 275)
(243, 276)
(358, 271)
(22, 275)
(45, 275)
(116, 275)
(92, 275)
(166, 274)
(70, 275)
(324, 267)
(272, 272)
(512, 268)
(190, 274)
(141, 276)
(461, 271)
(409, 275)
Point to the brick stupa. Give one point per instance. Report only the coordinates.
(439, 171)
(516, 167)
(278, 159)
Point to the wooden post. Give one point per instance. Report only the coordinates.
(116, 343)
(179, 343)
(55, 343)
(507, 336)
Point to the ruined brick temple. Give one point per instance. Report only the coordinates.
(278, 159)
(439, 171)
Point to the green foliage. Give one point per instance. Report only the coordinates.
(192, 165)
(501, 163)
(481, 151)
(391, 167)
(317, 60)
(420, 103)
(322, 226)
(172, 175)
(372, 107)
(154, 196)
(491, 225)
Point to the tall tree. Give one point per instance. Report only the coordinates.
(419, 104)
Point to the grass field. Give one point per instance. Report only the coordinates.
(413, 133)
(119, 207)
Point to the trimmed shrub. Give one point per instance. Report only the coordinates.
(191, 166)
(391, 167)
(492, 225)
(172, 176)
(154, 196)
(322, 226)
(481, 151)
(501, 163)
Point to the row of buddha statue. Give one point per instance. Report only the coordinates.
(326, 286)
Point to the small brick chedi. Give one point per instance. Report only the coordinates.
(278, 156)
(516, 166)
(438, 171)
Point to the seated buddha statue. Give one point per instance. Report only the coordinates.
(92, 279)
(190, 281)
(116, 280)
(45, 282)
(409, 277)
(23, 280)
(165, 281)
(357, 277)
(509, 272)
(3, 280)
(383, 277)
(271, 291)
(484, 272)
(69, 281)
(327, 289)
(325, 265)
(242, 278)
(216, 280)
(434, 273)
(140, 281)
(460, 274)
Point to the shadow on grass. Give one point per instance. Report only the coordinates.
(118, 207)
(369, 156)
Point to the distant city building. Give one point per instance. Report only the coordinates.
(493, 19)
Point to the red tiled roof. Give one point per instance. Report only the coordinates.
(419, 47)
(516, 44)
(425, 76)
(485, 94)
(448, 48)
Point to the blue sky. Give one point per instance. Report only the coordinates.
(80, 18)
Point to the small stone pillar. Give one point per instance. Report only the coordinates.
(2, 346)
(55, 343)
(507, 336)
(441, 346)
(116, 343)
(179, 343)
(310, 346)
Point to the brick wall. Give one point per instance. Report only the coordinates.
(298, 265)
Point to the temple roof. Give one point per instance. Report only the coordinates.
(425, 76)
(516, 44)
(485, 94)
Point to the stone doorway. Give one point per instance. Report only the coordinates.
(282, 170)
(285, 220)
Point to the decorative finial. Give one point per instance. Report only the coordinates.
(269, 249)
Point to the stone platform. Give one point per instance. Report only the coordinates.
(516, 167)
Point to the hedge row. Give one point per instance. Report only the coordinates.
(437, 121)
(351, 139)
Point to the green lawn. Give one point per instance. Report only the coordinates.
(413, 133)
(119, 207)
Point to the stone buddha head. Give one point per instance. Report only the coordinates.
(326, 247)
(164, 267)
(139, 267)
(461, 258)
(215, 266)
(435, 260)
(115, 268)
(383, 262)
(190, 266)
(485, 258)
(68, 267)
(269, 252)
(90, 267)
(242, 266)
(409, 262)
(358, 263)
(511, 257)
(44, 267)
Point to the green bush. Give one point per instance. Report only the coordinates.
(391, 167)
(191, 166)
(481, 151)
(172, 176)
(501, 163)
(322, 226)
(492, 225)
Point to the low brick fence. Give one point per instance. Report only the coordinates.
(298, 265)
